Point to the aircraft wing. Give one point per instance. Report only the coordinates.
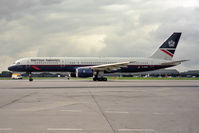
(173, 62)
(110, 67)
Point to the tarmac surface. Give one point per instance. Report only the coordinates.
(81, 106)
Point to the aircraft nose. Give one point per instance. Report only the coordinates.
(11, 68)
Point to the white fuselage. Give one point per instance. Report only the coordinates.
(69, 64)
(86, 61)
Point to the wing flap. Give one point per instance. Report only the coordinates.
(110, 67)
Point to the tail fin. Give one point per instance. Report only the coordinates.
(167, 49)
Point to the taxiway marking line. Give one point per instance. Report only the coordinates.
(64, 129)
(116, 112)
(47, 106)
(5, 129)
(157, 113)
(77, 111)
(136, 130)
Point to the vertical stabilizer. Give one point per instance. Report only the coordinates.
(167, 49)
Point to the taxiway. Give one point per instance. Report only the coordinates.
(81, 106)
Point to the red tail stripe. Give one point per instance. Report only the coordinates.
(167, 52)
(35, 67)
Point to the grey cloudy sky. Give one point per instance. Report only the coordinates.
(96, 28)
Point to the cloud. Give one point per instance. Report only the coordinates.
(62, 44)
(96, 28)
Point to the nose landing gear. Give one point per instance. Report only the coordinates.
(30, 76)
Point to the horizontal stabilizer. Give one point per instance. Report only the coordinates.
(174, 62)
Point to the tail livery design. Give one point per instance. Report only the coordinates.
(167, 49)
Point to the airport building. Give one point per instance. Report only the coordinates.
(190, 73)
(156, 73)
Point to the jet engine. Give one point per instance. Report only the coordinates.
(84, 72)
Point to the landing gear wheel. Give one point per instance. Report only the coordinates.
(30, 76)
(99, 76)
(104, 79)
(100, 79)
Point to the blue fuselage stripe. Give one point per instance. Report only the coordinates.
(72, 68)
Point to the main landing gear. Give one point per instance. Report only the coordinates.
(30, 76)
(99, 76)
(100, 79)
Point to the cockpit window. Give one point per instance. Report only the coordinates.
(17, 63)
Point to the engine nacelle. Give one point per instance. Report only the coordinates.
(84, 72)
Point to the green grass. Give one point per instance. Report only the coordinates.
(25, 78)
(151, 78)
(113, 78)
(5, 78)
(45, 77)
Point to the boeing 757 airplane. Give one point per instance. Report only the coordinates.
(96, 66)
